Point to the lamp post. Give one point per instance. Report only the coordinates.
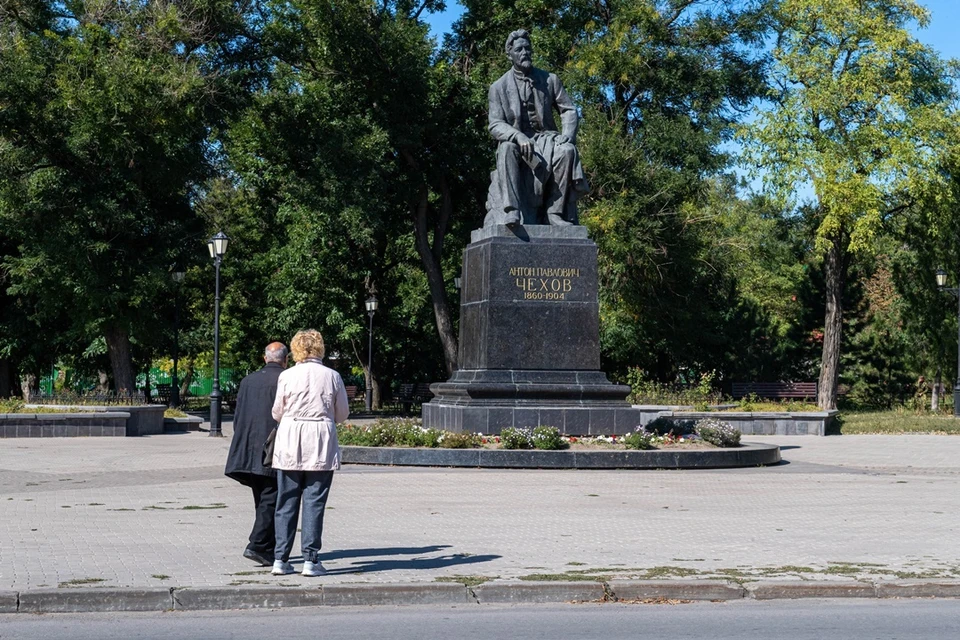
(371, 305)
(941, 276)
(175, 387)
(457, 280)
(218, 247)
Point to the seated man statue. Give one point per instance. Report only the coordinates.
(539, 177)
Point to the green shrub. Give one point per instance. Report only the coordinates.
(548, 438)
(354, 435)
(748, 403)
(391, 432)
(643, 390)
(664, 426)
(11, 405)
(639, 439)
(450, 440)
(516, 438)
(718, 433)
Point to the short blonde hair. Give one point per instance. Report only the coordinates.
(307, 344)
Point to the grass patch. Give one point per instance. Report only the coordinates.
(160, 576)
(79, 582)
(260, 572)
(196, 507)
(467, 581)
(669, 571)
(121, 509)
(898, 422)
(562, 577)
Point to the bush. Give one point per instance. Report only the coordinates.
(664, 426)
(548, 438)
(639, 439)
(353, 435)
(11, 405)
(718, 433)
(390, 432)
(450, 440)
(516, 438)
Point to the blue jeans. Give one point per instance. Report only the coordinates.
(313, 487)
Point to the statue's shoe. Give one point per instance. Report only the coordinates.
(511, 218)
(555, 219)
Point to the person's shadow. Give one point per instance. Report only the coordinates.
(386, 559)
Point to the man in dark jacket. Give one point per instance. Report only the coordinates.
(252, 423)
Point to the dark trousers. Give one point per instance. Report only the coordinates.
(263, 537)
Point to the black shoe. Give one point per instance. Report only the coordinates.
(259, 558)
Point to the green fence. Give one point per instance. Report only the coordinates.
(200, 385)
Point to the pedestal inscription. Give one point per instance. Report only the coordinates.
(530, 302)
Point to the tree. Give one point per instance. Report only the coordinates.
(355, 163)
(106, 111)
(860, 111)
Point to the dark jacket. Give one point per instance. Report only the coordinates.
(252, 423)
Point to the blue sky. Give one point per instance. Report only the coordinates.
(942, 33)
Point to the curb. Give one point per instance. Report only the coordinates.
(101, 599)
(747, 455)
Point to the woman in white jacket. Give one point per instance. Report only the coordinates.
(311, 400)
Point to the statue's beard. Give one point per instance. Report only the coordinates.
(525, 65)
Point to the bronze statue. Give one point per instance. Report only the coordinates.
(539, 177)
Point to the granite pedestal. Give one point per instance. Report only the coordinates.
(530, 338)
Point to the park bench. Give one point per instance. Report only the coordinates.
(774, 390)
(162, 394)
(413, 393)
(352, 394)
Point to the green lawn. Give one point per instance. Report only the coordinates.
(893, 422)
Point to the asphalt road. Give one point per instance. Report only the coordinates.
(746, 620)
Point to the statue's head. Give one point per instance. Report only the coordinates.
(519, 50)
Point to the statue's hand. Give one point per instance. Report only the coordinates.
(526, 146)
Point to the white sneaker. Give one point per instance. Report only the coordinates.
(313, 569)
(281, 568)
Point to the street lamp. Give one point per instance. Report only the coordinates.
(371, 305)
(457, 281)
(941, 276)
(217, 246)
(175, 387)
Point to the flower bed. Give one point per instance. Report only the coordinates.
(409, 433)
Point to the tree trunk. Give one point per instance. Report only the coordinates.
(118, 350)
(185, 378)
(835, 276)
(6, 388)
(369, 380)
(430, 257)
(103, 383)
(28, 382)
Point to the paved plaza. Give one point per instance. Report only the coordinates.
(157, 511)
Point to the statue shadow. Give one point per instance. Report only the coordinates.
(386, 559)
